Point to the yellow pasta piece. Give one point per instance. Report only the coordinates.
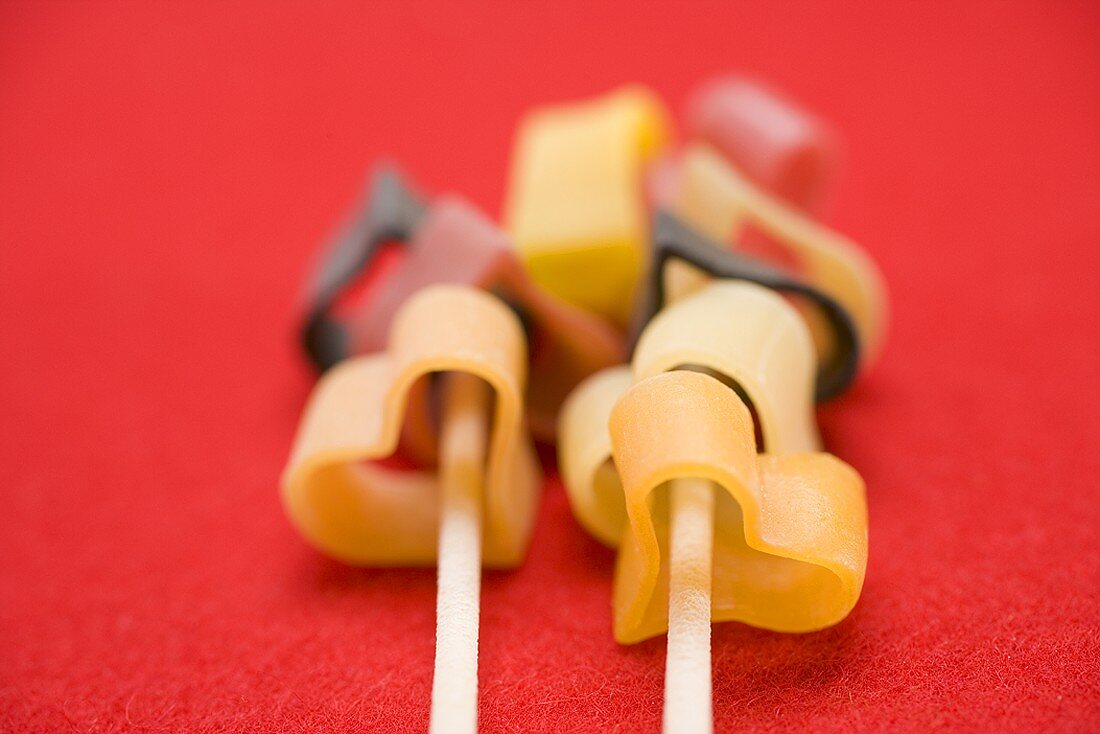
(790, 538)
(714, 197)
(368, 514)
(576, 207)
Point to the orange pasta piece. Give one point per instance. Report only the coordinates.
(790, 524)
(790, 536)
(368, 514)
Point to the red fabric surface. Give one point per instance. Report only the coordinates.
(166, 170)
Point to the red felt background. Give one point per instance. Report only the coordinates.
(166, 170)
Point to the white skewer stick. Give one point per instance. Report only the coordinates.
(688, 707)
(462, 449)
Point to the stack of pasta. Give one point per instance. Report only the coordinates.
(667, 314)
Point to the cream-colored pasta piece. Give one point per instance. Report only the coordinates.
(713, 196)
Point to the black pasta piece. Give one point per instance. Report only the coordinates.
(673, 239)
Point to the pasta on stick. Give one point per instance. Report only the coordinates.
(477, 508)
(644, 448)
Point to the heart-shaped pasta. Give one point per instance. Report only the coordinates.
(790, 523)
(368, 514)
(790, 529)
